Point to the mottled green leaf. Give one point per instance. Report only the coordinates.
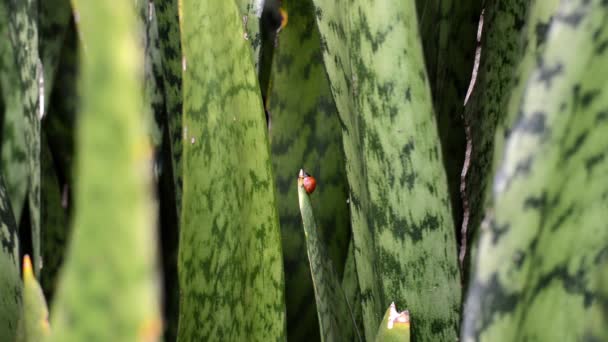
(304, 131)
(545, 239)
(23, 33)
(157, 122)
(336, 320)
(10, 284)
(403, 231)
(230, 264)
(448, 31)
(108, 290)
(14, 149)
(251, 11)
(597, 329)
(350, 285)
(153, 73)
(501, 51)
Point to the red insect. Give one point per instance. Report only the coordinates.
(308, 182)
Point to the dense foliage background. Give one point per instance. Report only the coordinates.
(150, 155)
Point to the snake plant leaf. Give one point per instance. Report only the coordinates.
(23, 33)
(447, 31)
(153, 96)
(172, 64)
(350, 285)
(304, 130)
(405, 246)
(251, 11)
(597, 330)
(336, 320)
(34, 324)
(502, 41)
(395, 326)
(545, 239)
(10, 284)
(230, 263)
(109, 288)
(157, 121)
(54, 223)
(13, 146)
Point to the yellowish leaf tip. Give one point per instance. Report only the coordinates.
(28, 273)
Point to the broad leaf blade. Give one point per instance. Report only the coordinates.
(230, 263)
(23, 33)
(109, 287)
(400, 208)
(545, 240)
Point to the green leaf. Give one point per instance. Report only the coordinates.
(545, 240)
(34, 324)
(23, 33)
(230, 264)
(109, 289)
(304, 130)
(447, 31)
(395, 326)
(153, 73)
(403, 231)
(350, 285)
(10, 284)
(336, 320)
(14, 149)
(251, 11)
(501, 51)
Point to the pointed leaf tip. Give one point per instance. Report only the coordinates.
(28, 273)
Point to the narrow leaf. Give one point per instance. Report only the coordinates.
(501, 51)
(10, 284)
(448, 30)
(335, 316)
(304, 130)
(34, 320)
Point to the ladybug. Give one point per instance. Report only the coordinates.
(308, 182)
